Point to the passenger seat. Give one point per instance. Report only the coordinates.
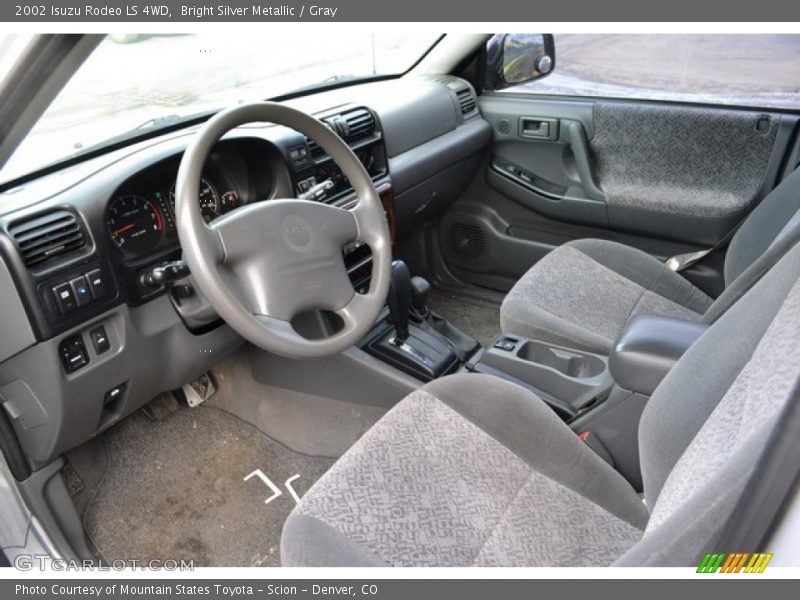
(583, 293)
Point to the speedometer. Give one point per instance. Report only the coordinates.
(134, 223)
(208, 198)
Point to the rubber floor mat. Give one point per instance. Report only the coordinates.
(479, 319)
(176, 489)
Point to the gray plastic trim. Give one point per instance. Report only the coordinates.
(648, 348)
(48, 498)
(574, 376)
(21, 533)
(151, 352)
(433, 157)
(15, 329)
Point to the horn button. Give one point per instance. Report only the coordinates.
(297, 231)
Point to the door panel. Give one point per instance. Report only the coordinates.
(662, 177)
(683, 172)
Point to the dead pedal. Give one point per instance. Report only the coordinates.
(199, 390)
(161, 407)
(71, 479)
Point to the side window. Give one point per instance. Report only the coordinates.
(744, 70)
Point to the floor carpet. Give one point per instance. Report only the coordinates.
(175, 489)
(478, 318)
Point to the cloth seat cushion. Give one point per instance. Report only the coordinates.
(583, 293)
(467, 470)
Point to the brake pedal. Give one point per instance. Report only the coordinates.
(161, 407)
(199, 390)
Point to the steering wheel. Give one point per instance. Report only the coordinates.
(264, 263)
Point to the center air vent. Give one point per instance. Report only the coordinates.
(47, 236)
(350, 126)
(360, 123)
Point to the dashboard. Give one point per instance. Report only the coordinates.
(140, 215)
(85, 339)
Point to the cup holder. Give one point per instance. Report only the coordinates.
(571, 364)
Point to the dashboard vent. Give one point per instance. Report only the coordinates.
(313, 147)
(466, 100)
(350, 126)
(47, 236)
(360, 123)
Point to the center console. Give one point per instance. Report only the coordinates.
(571, 381)
(414, 339)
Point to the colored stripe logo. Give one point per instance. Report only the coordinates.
(737, 562)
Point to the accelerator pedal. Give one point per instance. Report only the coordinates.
(199, 390)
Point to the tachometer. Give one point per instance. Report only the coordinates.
(208, 197)
(134, 223)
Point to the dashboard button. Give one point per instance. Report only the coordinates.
(97, 283)
(81, 290)
(73, 353)
(65, 299)
(99, 339)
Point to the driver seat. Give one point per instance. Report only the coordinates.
(471, 470)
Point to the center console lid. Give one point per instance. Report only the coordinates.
(648, 348)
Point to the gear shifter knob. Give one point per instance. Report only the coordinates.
(399, 299)
(420, 288)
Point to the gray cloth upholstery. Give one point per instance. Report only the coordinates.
(648, 157)
(698, 450)
(473, 470)
(690, 391)
(583, 293)
(763, 226)
(431, 485)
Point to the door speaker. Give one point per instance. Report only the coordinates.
(468, 241)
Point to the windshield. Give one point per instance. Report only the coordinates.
(135, 82)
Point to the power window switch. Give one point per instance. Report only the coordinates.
(99, 339)
(81, 290)
(65, 299)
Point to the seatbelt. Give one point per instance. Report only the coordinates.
(679, 262)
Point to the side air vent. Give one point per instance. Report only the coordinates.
(466, 100)
(47, 236)
(468, 241)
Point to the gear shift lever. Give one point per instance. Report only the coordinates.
(399, 299)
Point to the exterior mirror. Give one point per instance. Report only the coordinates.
(515, 58)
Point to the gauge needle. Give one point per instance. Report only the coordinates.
(124, 229)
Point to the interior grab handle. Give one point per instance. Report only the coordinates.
(576, 135)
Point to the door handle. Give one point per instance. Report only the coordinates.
(538, 128)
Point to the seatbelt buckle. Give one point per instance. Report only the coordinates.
(590, 439)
